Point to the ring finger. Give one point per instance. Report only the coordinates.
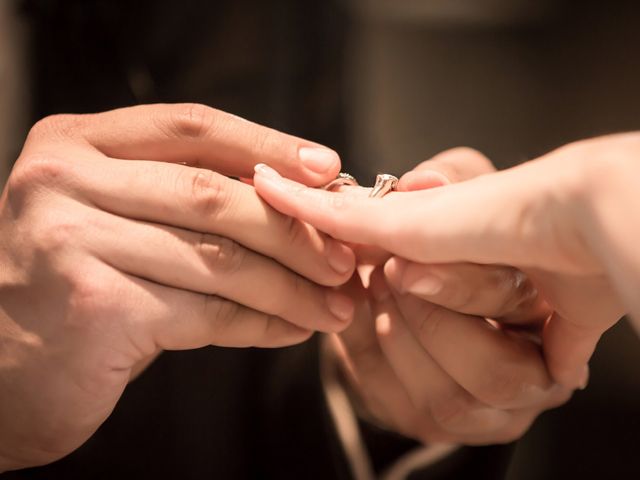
(215, 265)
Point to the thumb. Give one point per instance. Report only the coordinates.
(568, 346)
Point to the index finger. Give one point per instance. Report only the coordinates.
(199, 136)
(440, 225)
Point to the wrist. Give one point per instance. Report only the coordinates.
(557, 194)
(603, 171)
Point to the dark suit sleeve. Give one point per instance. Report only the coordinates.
(231, 414)
(213, 413)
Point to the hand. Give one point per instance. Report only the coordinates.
(551, 218)
(113, 251)
(436, 370)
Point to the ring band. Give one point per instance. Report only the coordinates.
(385, 183)
(341, 180)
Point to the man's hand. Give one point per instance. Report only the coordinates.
(122, 236)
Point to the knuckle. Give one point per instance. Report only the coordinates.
(513, 287)
(191, 121)
(57, 127)
(296, 232)
(37, 170)
(269, 326)
(53, 233)
(223, 314)
(56, 236)
(264, 140)
(206, 195)
(220, 254)
(299, 286)
(91, 294)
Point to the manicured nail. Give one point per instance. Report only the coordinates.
(427, 285)
(318, 159)
(266, 171)
(340, 257)
(340, 306)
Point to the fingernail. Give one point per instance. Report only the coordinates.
(340, 257)
(265, 170)
(340, 306)
(427, 285)
(584, 379)
(318, 159)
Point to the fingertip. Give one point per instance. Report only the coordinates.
(320, 164)
(394, 270)
(342, 308)
(567, 349)
(421, 180)
(277, 191)
(570, 378)
(265, 171)
(341, 259)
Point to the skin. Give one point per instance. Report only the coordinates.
(432, 367)
(121, 236)
(563, 219)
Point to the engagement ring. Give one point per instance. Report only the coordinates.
(385, 183)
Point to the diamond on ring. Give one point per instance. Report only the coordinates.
(385, 183)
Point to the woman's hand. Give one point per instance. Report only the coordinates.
(121, 236)
(562, 219)
(437, 370)
(437, 375)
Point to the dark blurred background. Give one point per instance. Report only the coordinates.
(513, 79)
(388, 84)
